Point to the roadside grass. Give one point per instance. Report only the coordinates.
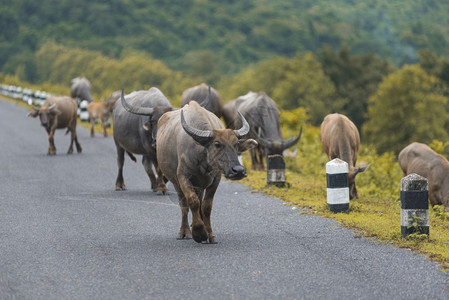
(376, 214)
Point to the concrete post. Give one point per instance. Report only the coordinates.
(414, 205)
(337, 185)
(276, 170)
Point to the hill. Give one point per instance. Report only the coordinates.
(212, 38)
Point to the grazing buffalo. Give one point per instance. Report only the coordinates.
(80, 89)
(193, 150)
(100, 111)
(263, 118)
(135, 125)
(340, 139)
(421, 159)
(58, 113)
(201, 92)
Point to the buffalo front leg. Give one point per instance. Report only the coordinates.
(199, 232)
(120, 183)
(51, 143)
(184, 231)
(206, 208)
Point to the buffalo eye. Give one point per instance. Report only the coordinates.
(217, 145)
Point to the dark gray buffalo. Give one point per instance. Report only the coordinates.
(193, 150)
(58, 113)
(199, 93)
(340, 139)
(263, 118)
(135, 119)
(421, 159)
(80, 89)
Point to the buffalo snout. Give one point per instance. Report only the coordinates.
(237, 172)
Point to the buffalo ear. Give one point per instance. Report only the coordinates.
(34, 113)
(246, 145)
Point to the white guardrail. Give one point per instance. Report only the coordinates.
(29, 96)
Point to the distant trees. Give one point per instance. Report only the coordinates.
(133, 71)
(356, 78)
(408, 106)
(299, 81)
(233, 34)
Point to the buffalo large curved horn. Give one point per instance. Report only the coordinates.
(244, 129)
(292, 141)
(144, 111)
(201, 136)
(265, 143)
(205, 100)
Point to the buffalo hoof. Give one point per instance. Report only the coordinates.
(51, 153)
(162, 191)
(199, 234)
(211, 241)
(184, 235)
(120, 188)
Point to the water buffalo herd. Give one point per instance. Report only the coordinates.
(191, 148)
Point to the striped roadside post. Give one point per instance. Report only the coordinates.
(337, 185)
(84, 115)
(276, 170)
(414, 205)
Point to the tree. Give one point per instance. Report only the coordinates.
(291, 83)
(409, 106)
(355, 78)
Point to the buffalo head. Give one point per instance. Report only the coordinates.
(277, 147)
(153, 114)
(351, 180)
(46, 114)
(222, 146)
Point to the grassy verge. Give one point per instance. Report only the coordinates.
(376, 214)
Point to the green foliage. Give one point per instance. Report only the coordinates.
(408, 106)
(355, 78)
(299, 81)
(133, 71)
(233, 34)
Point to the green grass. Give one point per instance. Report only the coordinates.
(376, 214)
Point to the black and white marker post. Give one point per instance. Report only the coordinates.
(276, 170)
(337, 185)
(414, 205)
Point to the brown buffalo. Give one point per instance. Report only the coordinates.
(421, 159)
(340, 139)
(58, 113)
(100, 111)
(201, 92)
(193, 150)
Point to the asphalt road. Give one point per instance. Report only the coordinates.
(66, 234)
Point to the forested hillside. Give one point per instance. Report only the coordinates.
(211, 38)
